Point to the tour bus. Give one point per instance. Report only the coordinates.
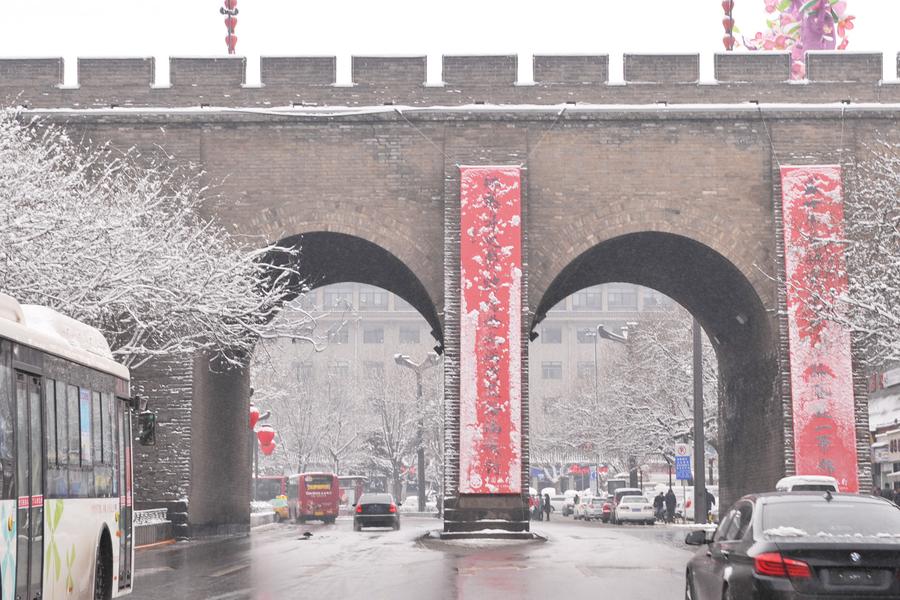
(273, 489)
(314, 496)
(65, 452)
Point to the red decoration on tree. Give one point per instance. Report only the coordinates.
(230, 10)
(267, 449)
(254, 415)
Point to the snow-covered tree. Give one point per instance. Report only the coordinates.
(643, 403)
(116, 240)
(870, 307)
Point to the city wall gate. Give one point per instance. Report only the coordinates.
(663, 182)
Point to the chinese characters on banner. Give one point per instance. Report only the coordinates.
(821, 369)
(490, 330)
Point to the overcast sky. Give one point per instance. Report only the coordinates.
(162, 28)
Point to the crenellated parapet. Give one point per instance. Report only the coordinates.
(401, 80)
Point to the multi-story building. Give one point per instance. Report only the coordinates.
(567, 352)
(884, 425)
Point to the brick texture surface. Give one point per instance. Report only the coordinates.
(683, 199)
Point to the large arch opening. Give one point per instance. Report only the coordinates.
(741, 333)
(360, 279)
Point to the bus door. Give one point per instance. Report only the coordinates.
(30, 486)
(123, 419)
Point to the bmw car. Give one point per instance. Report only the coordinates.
(376, 510)
(799, 545)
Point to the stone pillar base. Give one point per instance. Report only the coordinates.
(480, 512)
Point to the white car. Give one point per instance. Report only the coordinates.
(807, 483)
(591, 508)
(635, 509)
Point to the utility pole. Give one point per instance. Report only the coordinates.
(431, 359)
(700, 508)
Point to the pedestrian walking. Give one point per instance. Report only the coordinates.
(897, 497)
(547, 506)
(710, 502)
(658, 503)
(670, 501)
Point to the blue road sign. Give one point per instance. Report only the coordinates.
(683, 468)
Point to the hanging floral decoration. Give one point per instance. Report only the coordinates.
(797, 26)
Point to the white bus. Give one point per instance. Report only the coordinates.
(65, 453)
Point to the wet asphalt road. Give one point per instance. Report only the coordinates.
(583, 560)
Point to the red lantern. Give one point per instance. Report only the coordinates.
(254, 415)
(230, 4)
(230, 23)
(727, 23)
(265, 435)
(268, 449)
(729, 42)
(728, 6)
(231, 42)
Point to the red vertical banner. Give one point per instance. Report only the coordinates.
(490, 330)
(821, 367)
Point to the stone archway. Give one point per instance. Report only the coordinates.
(743, 332)
(219, 491)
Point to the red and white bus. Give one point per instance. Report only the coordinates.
(314, 497)
(65, 457)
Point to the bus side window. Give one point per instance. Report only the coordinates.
(55, 395)
(7, 464)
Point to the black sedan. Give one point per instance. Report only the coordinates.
(376, 510)
(799, 545)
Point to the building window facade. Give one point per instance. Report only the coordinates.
(586, 335)
(622, 299)
(588, 300)
(373, 335)
(339, 370)
(409, 334)
(337, 299)
(373, 300)
(551, 335)
(551, 369)
(586, 370)
(340, 334)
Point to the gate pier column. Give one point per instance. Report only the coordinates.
(220, 452)
(485, 351)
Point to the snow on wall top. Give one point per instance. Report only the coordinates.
(38, 82)
(45, 329)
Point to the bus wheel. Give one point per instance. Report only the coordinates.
(103, 572)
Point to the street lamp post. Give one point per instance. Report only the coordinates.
(700, 508)
(431, 359)
(255, 418)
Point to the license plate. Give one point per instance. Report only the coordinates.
(318, 514)
(857, 577)
(635, 510)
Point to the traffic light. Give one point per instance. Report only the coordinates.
(147, 424)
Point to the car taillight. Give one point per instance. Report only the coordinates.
(393, 508)
(359, 508)
(773, 564)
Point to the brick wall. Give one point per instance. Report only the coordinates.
(302, 81)
(703, 178)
